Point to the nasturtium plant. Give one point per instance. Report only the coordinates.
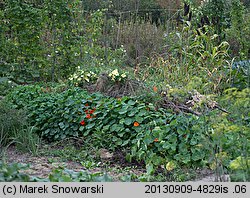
(155, 136)
(15, 173)
(172, 138)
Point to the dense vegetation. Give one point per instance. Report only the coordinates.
(166, 85)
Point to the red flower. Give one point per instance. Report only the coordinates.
(86, 104)
(86, 111)
(156, 140)
(136, 124)
(82, 123)
(155, 89)
(92, 111)
(88, 116)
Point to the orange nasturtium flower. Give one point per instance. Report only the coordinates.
(88, 116)
(82, 123)
(136, 124)
(86, 104)
(156, 140)
(91, 111)
(155, 89)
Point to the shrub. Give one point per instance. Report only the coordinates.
(156, 136)
(175, 139)
(241, 74)
(5, 86)
(230, 134)
(238, 34)
(240, 170)
(57, 115)
(21, 96)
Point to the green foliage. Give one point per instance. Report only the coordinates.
(238, 103)
(11, 121)
(80, 77)
(149, 134)
(120, 120)
(153, 135)
(57, 116)
(6, 85)
(117, 76)
(219, 13)
(55, 40)
(241, 74)
(14, 172)
(26, 140)
(23, 95)
(197, 54)
(240, 169)
(230, 21)
(20, 47)
(230, 134)
(239, 163)
(65, 175)
(10, 173)
(238, 34)
(236, 125)
(175, 140)
(69, 152)
(48, 40)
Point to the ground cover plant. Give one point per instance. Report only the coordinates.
(155, 96)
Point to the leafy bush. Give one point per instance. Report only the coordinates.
(241, 74)
(230, 134)
(237, 102)
(238, 34)
(5, 86)
(175, 140)
(57, 115)
(240, 169)
(155, 135)
(152, 135)
(21, 96)
(219, 13)
(196, 53)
